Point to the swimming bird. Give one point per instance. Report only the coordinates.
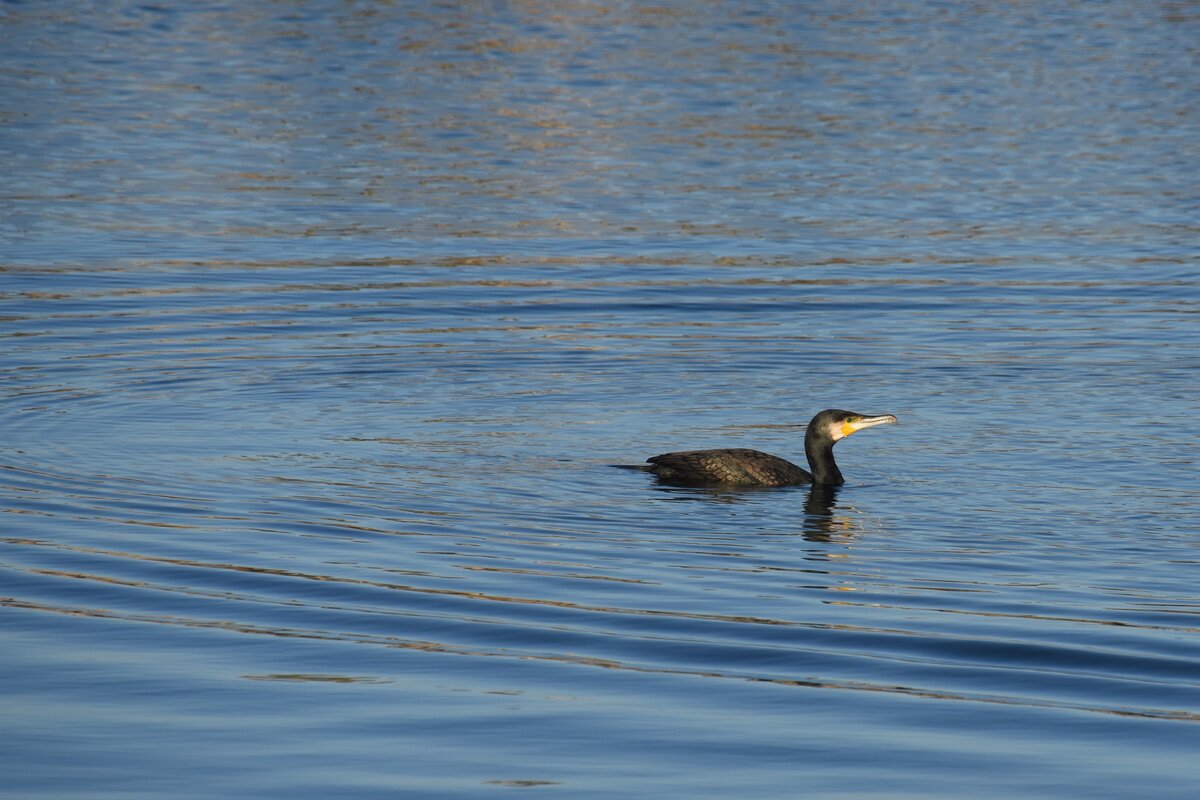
(741, 467)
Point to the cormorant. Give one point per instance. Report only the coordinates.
(741, 467)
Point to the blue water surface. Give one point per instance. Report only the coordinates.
(323, 325)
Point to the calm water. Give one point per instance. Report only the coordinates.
(322, 325)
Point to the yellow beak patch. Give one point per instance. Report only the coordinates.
(848, 429)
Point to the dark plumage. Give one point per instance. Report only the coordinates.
(741, 467)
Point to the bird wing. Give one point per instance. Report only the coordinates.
(733, 466)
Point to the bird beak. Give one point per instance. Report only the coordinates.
(867, 422)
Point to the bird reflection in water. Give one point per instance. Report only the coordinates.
(820, 523)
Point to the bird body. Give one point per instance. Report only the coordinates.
(742, 467)
(733, 466)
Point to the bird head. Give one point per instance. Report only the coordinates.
(836, 424)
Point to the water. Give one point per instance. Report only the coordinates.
(324, 324)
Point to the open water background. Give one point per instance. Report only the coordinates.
(321, 324)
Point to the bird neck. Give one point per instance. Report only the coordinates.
(819, 450)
